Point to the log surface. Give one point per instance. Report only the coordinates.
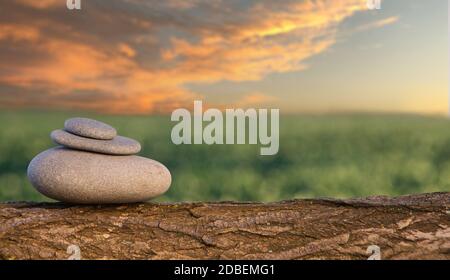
(408, 227)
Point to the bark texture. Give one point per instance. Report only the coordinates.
(408, 227)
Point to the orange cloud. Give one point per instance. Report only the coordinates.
(137, 57)
(42, 4)
(378, 24)
(14, 33)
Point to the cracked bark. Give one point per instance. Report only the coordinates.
(409, 227)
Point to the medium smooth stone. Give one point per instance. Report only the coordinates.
(88, 178)
(118, 146)
(90, 128)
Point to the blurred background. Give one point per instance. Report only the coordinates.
(333, 156)
(362, 93)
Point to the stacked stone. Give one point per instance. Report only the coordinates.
(94, 165)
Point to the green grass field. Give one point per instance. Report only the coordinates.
(333, 156)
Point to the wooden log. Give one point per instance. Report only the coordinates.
(408, 227)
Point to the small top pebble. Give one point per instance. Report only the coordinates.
(90, 128)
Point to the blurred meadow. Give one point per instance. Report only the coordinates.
(320, 156)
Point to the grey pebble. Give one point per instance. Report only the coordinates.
(90, 178)
(90, 128)
(119, 145)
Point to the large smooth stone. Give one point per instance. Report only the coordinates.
(118, 146)
(90, 128)
(89, 178)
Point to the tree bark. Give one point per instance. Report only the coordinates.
(408, 227)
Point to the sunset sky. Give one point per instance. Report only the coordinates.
(302, 56)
